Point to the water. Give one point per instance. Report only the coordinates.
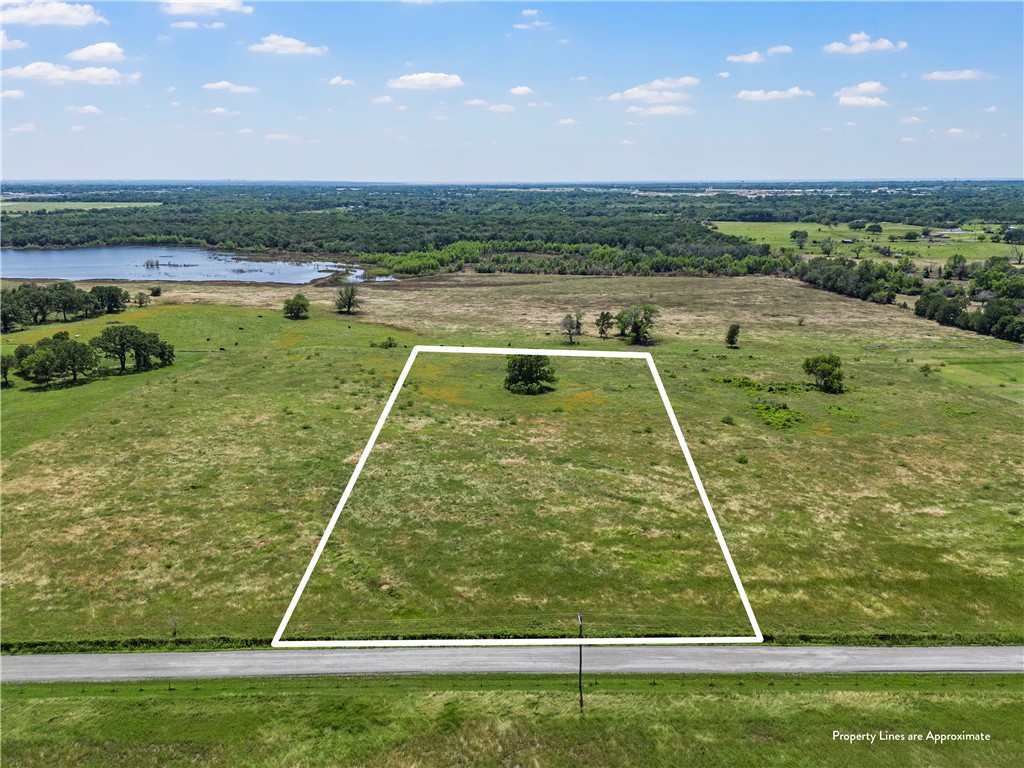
(180, 264)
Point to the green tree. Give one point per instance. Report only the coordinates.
(64, 298)
(799, 236)
(572, 325)
(74, 357)
(604, 324)
(141, 299)
(875, 229)
(7, 364)
(347, 301)
(637, 322)
(116, 342)
(41, 365)
(297, 307)
(529, 374)
(12, 311)
(827, 371)
(732, 335)
(111, 298)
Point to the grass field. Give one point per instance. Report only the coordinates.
(664, 720)
(585, 487)
(187, 501)
(776, 234)
(26, 207)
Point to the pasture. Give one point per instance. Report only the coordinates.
(24, 206)
(181, 505)
(922, 251)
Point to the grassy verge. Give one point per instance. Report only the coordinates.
(663, 720)
(182, 505)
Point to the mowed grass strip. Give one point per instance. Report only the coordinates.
(482, 513)
(486, 720)
(185, 503)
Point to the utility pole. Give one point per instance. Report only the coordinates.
(579, 618)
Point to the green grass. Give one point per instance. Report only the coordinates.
(492, 720)
(184, 503)
(26, 207)
(776, 234)
(584, 487)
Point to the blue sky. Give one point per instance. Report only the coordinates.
(492, 92)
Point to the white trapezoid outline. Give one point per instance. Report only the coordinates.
(757, 637)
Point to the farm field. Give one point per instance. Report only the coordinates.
(776, 234)
(488, 720)
(32, 207)
(182, 504)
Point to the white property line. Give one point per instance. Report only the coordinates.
(277, 642)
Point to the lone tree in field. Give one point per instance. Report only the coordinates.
(297, 307)
(7, 365)
(827, 371)
(604, 323)
(732, 335)
(799, 236)
(529, 374)
(347, 301)
(572, 325)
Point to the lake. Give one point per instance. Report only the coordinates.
(158, 264)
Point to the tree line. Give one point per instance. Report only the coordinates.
(31, 304)
(61, 356)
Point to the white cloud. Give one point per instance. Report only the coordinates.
(921, 109)
(849, 124)
(532, 25)
(286, 46)
(501, 108)
(775, 50)
(88, 109)
(673, 82)
(203, 7)
(861, 42)
(23, 128)
(862, 101)
(476, 103)
(339, 80)
(908, 139)
(175, 103)
(754, 57)
(77, 128)
(98, 52)
(215, 25)
(7, 44)
(579, 78)
(521, 90)
(244, 131)
(566, 121)
(762, 95)
(56, 14)
(382, 100)
(426, 81)
(657, 91)
(862, 95)
(530, 12)
(185, 24)
(538, 104)
(224, 85)
(59, 74)
(912, 120)
(990, 109)
(627, 142)
(12, 94)
(222, 112)
(401, 107)
(961, 133)
(659, 111)
(648, 96)
(280, 137)
(957, 74)
(170, 89)
(724, 75)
